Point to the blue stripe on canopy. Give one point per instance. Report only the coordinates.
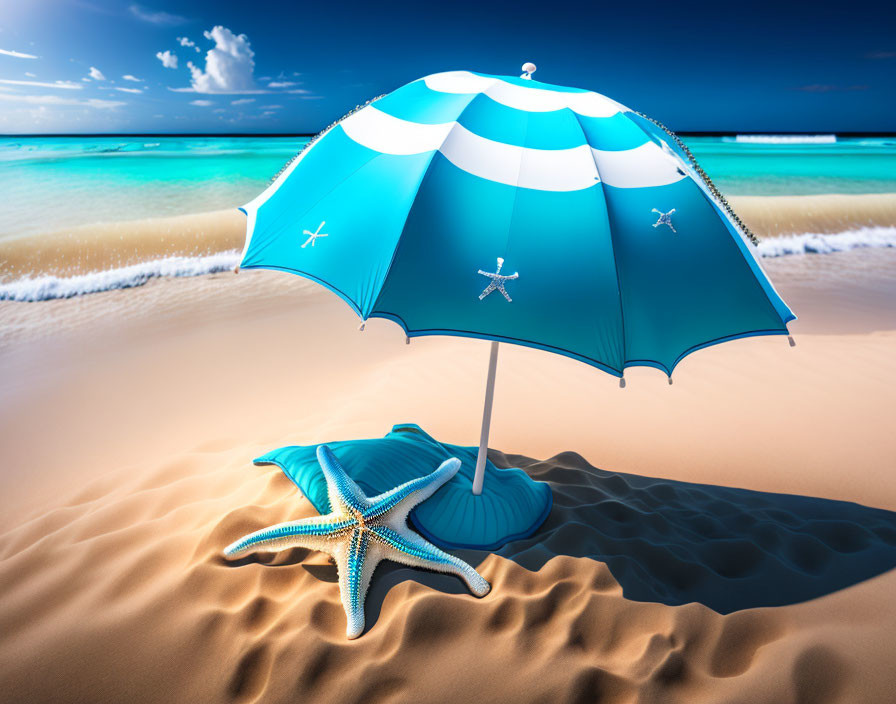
(417, 103)
(614, 275)
(556, 129)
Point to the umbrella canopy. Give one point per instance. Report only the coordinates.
(513, 210)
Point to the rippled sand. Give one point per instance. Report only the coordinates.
(129, 419)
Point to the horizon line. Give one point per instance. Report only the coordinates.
(694, 133)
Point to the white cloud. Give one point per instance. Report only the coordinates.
(129, 90)
(17, 54)
(96, 74)
(242, 101)
(168, 59)
(156, 16)
(219, 110)
(272, 107)
(282, 84)
(298, 91)
(228, 67)
(184, 41)
(30, 75)
(201, 103)
(57, 100)
(129, 77)
(67, 85)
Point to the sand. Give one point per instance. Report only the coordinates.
(129, 419)
(97, 247)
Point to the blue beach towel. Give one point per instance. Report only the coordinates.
(510, 507)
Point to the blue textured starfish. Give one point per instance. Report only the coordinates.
(664, 219)
(361, 532)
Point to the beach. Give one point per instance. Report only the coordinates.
(726, 538)
(131, 418)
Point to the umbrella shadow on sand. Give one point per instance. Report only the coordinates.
(729, 549)
(675, 542)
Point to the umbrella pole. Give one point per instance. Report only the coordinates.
(479, 475)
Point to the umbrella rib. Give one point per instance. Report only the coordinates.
(408, 213)
(610, 235)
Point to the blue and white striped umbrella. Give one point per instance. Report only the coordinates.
(517, 211)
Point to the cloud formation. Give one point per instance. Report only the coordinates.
(242, 101)
(168, 59)
(129, 77)
(129, 90)
(228, 66)
(17, 54)
(201, 103)
(157, 17)
(282, 84)
(57, 100)
(96, 74)
(184, 41)
(67, 85)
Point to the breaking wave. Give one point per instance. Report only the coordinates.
(786, 138)
(49, 287)
(812, 243)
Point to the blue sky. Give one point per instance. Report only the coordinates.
(85, 66)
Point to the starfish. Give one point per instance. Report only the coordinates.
(497, 281)
(312, 236)
(665, 218)
(362, 531)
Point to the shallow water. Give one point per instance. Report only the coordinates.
(52, 183)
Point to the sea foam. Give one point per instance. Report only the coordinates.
(813, 243)
(46, 288)
(786, 138)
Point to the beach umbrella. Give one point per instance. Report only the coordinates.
(502, 208)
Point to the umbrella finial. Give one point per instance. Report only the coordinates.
(622, 382)
(528, 70)
(791, 341)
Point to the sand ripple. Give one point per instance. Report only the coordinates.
(121, 594)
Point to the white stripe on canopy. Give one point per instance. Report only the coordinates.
(539, 169)
(522, 97)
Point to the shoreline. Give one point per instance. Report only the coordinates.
(128, 425)
(124, 254)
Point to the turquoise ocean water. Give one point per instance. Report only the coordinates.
(54, 184)
(59, 182)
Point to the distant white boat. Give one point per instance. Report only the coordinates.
(787, 138)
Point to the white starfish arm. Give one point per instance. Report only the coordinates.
(401, 545)
(314, 533)
(356, 561)
(399, 501)
(654, 210)
(486, 273)
(514, 275)
(671, 211)
(505, 294)
(341, 489)
(488, 289)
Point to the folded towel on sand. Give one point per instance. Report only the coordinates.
(511, 506)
